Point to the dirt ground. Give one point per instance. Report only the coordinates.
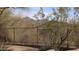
(21, 48)
(27, 48)
(67, 50)
(74, 50)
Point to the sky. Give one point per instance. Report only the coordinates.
(33, 10)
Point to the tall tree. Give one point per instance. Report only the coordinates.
(63, 12)
(40, 14)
